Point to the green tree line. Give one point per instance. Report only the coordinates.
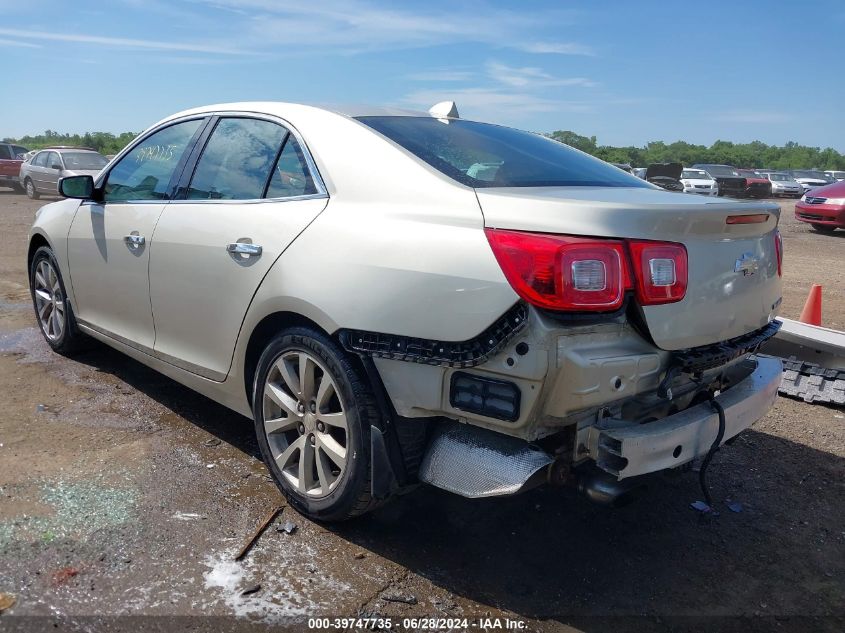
(103, 142)
(754, 155)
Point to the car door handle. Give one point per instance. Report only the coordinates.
(134, 240)
(244, 248)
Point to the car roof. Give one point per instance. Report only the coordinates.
(284, 109)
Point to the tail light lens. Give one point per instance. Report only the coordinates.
(779, 251)
(562, 272)
(660, 270)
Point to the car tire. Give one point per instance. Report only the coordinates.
(31, 192)
(315, 437)
(823, 228)
(53, 311)
(18, 188)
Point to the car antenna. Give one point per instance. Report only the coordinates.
(444, 110)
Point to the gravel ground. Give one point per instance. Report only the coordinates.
(124, 493)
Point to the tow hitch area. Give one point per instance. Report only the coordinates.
(628, 450)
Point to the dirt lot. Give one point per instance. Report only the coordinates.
(123, 493)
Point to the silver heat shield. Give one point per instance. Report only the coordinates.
(474, 462)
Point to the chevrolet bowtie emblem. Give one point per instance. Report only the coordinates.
(747, 264)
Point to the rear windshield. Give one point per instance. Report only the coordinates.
(84, 160)
(721, 170)
(806, 173)
(485, 155)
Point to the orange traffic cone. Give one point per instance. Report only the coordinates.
(812, 312)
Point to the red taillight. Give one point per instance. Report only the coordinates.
(561, 272)
(779, 251)
(660, 270)
(754, 218)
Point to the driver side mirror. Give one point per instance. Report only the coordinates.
(81, 187)
(56, 166)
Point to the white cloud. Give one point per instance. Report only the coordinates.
(752, 116)
(493, 105)
(441, 75)
(530, 77)
(120, 42)
(558, 48)
(18, 44)
(355, 26)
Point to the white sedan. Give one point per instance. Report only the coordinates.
(700, 182)
(398, 297)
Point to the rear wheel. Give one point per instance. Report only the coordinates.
(31, 193)
(313, 412)
(823, 228)
(52, 310)
(18, 188)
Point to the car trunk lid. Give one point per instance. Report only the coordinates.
(734, 287)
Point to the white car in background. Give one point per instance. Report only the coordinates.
(700, 182)
(810, 178)
(836, 175)
(784, 185)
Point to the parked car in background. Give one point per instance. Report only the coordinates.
(623, 167)
(557, 320)
(11, 159)
(639, 172)
(665, 175)
(756, 185)
(699, 181)
(836, 175)
(810, 178)
(784, 185)
(727, 177)
(823, 208)
(40, 175)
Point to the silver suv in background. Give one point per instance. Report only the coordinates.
(784, 185)
(40, 175)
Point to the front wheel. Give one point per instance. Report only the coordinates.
(313, 412)
(31, 192)
(52, 310)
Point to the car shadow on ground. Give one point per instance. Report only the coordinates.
(549, 554)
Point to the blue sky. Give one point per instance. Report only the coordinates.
(627, 72)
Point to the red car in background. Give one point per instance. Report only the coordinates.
(823, 207)
(756, 185)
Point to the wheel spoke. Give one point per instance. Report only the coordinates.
(333, 419)
(283, 400)
(288, 376)
(306, 377)
(325, 392)
(39, 279)
(57, 323)
(286, 455)
(324, 472)
(280, 425)
(43, 295)
(306, 466)
(332, 448)
(60, 307)
(43, 309)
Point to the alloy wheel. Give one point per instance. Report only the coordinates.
(49, 300)
(305, 424)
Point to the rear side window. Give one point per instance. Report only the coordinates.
(145, 172)
(5, 153)
(237, 161)
(485, 155)
(19, 151)
(290, 176)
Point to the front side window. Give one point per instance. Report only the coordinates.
(145, 172)
(237, 161)
(290, 176)
(53, 161)
(485, 155)
(40, 159)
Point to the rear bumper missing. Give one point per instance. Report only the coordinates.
(628, 451)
